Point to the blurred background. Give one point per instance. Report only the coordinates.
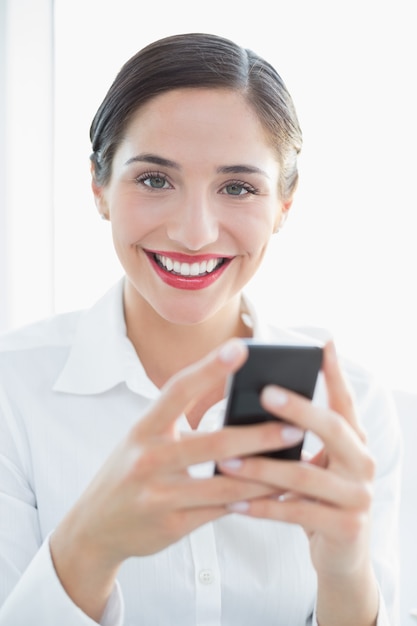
(346, 259)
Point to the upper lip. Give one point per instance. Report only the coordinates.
(188, 258)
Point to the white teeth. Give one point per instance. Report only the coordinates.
(195, 269)
(188, 269)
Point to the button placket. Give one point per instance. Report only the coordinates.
(207, 576)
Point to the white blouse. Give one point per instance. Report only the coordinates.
(70, 388)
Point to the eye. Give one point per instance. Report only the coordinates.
(154, 180)
(238, 188)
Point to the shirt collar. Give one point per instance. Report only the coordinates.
(101, 355)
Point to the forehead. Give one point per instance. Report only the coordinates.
(213, 121)
(188, 97)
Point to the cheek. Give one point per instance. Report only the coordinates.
(129, 223)
(254, 232)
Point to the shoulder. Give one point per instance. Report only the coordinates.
(32, 356)
(56, 331)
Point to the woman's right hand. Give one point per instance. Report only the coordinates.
(143, 499)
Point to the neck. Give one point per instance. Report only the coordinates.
(164, 348)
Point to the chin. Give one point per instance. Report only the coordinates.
(188, 312)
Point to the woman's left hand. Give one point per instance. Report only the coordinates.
(329, 495)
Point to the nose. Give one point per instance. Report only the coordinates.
(193, 223)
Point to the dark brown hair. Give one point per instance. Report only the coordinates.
(198, 60)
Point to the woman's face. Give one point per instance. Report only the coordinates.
(193, 200)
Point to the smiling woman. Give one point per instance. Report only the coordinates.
(111, 418)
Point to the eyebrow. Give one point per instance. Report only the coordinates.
(223, 169)
(153, 158)
(241, 169)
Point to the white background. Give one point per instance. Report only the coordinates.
(346, 259)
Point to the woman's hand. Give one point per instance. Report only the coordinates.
(143, 499)
(330, 495)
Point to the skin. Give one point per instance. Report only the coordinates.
(143, 500)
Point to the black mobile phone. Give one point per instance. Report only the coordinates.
(295, 367)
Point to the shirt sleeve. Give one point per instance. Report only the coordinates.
(39, 593)
(30, 590)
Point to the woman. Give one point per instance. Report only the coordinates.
(110, 418)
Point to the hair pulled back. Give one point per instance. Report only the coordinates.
(198, 60)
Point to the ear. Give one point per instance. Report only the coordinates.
(99, 196)
(282, 215)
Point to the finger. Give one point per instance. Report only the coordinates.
(185, 388)
(342, 526)
(192, 493)
(340, 440)
(164, 455)
(340, 396)
(306, 480)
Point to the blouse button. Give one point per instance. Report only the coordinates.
(206, 576)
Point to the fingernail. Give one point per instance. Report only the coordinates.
(231, 464)
(291, 434)
(238, 507)
(230, 351)
(274, 396)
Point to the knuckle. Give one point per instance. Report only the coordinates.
(362, 496)
(352, 525)
(296, 511)
(304, 481)
(263, 508)
(368, 465)
(147, 461)
(336, 425)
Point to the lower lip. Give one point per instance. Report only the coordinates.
(188, 282)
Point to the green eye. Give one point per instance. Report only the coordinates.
(156, 182)
(153, 180)
(235, 190)
(238, 188)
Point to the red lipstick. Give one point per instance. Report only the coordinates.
(211, 268)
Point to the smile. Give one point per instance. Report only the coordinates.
(188, 269)
(185, 272)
